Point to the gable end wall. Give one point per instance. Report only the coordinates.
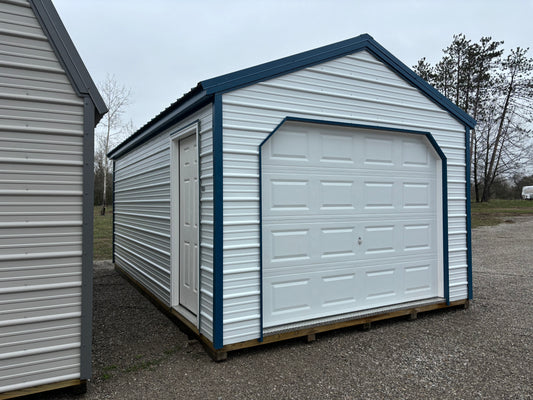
(42, 128)
(357, 89)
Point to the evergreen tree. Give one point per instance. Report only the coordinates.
(498, 94)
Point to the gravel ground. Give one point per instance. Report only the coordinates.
(479, 353)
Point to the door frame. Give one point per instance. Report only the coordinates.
(175, 139)
(442, 200)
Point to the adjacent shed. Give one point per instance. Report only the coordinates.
(48, 109)
(321, 190)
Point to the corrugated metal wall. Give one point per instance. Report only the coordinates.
(41, 180)
(142, 214)
(354, 89)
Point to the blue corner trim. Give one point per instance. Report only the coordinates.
(218, 227)
(468, 219)
(436, 147)
(113, 227)
(261, 293)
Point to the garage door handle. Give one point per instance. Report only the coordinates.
(360, 241)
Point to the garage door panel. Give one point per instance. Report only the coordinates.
(337, 149)
(418, 195)
(349, 221)
(300, 194)
(291, 147)
(337, 242)
(416, 154)
(320, 294)
(289, 244)
(379, 152)
(288, 194)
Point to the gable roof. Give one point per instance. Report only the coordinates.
(204, 92)
(68, 56)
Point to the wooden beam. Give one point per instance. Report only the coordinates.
(78, 386)
(310, 333)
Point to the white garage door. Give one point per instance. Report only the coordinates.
(350, 221)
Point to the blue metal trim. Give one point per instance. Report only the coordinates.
(184, 107)
(285, 65)
(445, 245)
(202, 93)
(434, 144)
(468, 219)
(218, 227)
(113, 244)
(309, 58)
(261, 300)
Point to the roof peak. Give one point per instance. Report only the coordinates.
(206, 89)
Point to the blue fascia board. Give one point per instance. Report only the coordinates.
(168, 117)
(248, 76)
(409, 75)
(206, 89)
(269, 70)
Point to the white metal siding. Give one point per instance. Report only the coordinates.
(41, 180)
(142, 215)
(355, 89)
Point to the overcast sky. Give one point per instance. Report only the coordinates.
(160, 49)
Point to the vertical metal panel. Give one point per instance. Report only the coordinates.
(42, 224)
(142, 214)
(355, 89)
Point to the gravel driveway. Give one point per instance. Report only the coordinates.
(480, 353)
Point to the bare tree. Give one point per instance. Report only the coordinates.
(113, 128)
(498, 93)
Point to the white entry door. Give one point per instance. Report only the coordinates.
(188, 224)
(350, 221)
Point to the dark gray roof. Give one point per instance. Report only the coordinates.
(204, 92)
(68, 55)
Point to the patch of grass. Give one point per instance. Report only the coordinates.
(103, 234)
(106, 372)
(495, 212)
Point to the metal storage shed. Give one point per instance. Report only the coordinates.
(321, 190)
(48, 109)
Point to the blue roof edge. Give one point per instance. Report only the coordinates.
(248, 76)
(284, 65)
(408, 74)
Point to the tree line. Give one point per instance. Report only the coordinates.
(496, 89)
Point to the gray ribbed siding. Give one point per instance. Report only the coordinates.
(41, 181)
(142, 214)
(355, 89)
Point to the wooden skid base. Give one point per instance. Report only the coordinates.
(308, 334)
(76, 386)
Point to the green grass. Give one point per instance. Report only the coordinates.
(497, 211)
(103, 234)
